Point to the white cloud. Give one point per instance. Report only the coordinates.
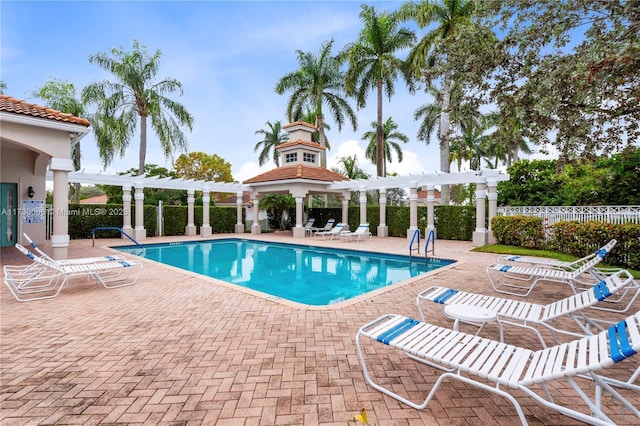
(251, 169)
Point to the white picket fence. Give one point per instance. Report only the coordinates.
(553, 214)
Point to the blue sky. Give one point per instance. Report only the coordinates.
(228, 56)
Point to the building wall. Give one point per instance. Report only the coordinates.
(26, 169)
(25, 152)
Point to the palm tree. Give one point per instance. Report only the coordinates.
(135, 94)
(449, 16)
(429, 116)
(473, 139)
(349, 167)
(61, 95)
(373, 64)
(317, 81)
(311, 117)
(509, 132)
(272, 138)
(389, 133)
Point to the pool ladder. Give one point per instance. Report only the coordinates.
(114, 228)
(431, 238)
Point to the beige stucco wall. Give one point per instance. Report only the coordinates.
(24, 168)
(25, 152)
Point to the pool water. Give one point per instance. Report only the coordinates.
(304, 274)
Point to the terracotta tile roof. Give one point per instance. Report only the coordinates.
(423, 194)
(98, 199)
(13, 105)
(232, 199)
(287, 144)
(300, 123)
(297, 172)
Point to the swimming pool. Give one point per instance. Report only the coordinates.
(304, 274)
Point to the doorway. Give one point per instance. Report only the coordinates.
(8, 214)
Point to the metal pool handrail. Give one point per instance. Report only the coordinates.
(113, 228)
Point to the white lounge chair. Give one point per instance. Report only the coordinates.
(524, 314)
(502, 366)
(555, 263)
(327, 226)
(75, 261)
(48, 279)
(520, 280)
(333, 233)
(308, 227)
(361, 232)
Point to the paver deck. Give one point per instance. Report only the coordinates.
(178, 348)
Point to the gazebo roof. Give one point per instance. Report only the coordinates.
(290, 144)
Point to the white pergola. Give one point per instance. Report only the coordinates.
(486, 188)
(138, 183)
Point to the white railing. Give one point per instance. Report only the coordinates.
(553, 214)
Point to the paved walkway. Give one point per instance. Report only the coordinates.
(178, 349)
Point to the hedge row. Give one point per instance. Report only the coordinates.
(83, 218)
(452, 222)
(573, 237)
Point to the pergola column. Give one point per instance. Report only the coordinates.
(205, 230)
(126, 210)
(480, 234)
(363, 205)
(492, 195)
(345, 214)
(139, 233)
(190, 229)
(413, 210)
(431, 201)
(383, 229)
(298, 230)
(60, 232)
(239, 228)
(256, 229)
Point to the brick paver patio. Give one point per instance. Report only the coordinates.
(177, 348)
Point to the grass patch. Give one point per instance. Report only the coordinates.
(523, 251)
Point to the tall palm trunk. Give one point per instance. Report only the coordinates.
(379, 134)
(445, 125)
(143, 144)
(322, 139)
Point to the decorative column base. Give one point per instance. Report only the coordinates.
(383, 231)
(427, 230)
(298, 232)
(239, 228)
(256, 229)
(206, 231)
(190, 230)
(480, 238)
(491, 239)
(139, 234)
(410, 233)
(128, 230)
(60, 246)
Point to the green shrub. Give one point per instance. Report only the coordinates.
(455, 222)
(522, 231)
(572, 237)
(83, 218)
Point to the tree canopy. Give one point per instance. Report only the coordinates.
(202, 166)
(570, 72)
(608, 181)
